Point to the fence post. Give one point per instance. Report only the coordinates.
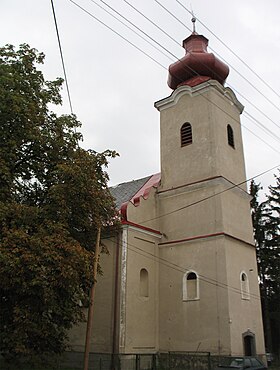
(169, 367)
(137, 362)
(209, 361)
(154, 366)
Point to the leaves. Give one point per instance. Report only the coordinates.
(53, 196)
(266, 223)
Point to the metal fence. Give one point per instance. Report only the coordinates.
(184, 361)
(158, 361)
(101, 361)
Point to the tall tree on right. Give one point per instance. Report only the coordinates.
(273, 245)
(265, 217)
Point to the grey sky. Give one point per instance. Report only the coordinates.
(113, 86)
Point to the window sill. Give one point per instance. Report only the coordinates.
(191, 299)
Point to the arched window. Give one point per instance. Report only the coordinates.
(245, 294)
(144, 283)
(186, 134)
(190, 286)
(230, 136)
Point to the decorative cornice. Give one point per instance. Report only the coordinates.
(197, 90)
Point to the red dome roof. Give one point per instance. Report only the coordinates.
(197, 65)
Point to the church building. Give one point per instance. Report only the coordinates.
(181, 275)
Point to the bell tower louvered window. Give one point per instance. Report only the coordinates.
(186, 134)
(230, 136)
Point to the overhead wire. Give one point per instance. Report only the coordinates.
(179, 268)
(61, 56)
(146, 54)
(185, 268)
(143, 52)
(117, 33)
(258, 123)
(216, 193)
(210, 196)
(133, 24)
(131, 29)
(182, 269)
(261, 139)
(174, 40)
(252, 118)
(252, 85)
(189, 205)
(235, 54)
(160, 45)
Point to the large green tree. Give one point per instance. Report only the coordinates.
(53, 197)
(266, 223)
(273, 244)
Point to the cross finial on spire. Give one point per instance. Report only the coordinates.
(193, 21)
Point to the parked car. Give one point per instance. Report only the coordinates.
(241, 363)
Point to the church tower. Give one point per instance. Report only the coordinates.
(208, 294)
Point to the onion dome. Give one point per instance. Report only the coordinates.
(197, 65)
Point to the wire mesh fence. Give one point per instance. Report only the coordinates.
(158, 361)
(106, 361)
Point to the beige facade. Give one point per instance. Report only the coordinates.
(182, 273)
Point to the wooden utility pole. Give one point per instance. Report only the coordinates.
(90, 309)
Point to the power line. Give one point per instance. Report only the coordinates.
(181, 269)
(254, 120)
(62, 59)
(258, 109)
(150, 57)
(257, 136)
(117, 33)
(139, 29)
(210, 196)
(252, 85)
(185, 268)
(147, 35)
(163, 31)
(236, 55)
(131, 29)
(149, 20)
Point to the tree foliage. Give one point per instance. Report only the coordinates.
(266, 224)
(53, 196)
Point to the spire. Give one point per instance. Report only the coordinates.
(193, 22)
(198, 65)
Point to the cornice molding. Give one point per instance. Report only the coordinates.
(202, 88)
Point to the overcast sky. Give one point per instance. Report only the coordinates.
(113, 85)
